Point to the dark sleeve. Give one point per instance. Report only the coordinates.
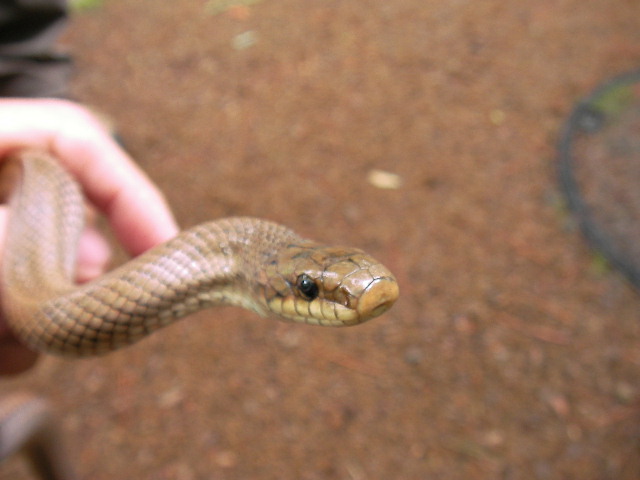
(30, 66)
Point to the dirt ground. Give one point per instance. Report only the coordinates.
(509, 355)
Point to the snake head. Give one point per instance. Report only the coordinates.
(330, 286)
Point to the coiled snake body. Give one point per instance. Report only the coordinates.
(248, 262)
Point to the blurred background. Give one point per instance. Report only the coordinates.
(422, 131)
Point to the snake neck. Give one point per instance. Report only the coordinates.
(221, 262)
(216, 263)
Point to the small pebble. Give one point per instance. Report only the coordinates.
(497, 116)
(226, 459)
(413, 355)
(244, 40)
(171, 398)
(384, 180)
(493, 438)
(625, 393)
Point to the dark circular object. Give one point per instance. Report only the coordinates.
(599, 171)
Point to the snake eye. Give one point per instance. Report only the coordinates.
(307, 287)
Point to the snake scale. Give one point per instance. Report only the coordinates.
(247, 262)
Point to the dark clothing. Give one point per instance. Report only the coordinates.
(29, 63)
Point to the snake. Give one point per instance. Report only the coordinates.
(247, 262)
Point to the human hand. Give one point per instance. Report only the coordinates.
(112, 182)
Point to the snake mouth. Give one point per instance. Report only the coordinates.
(377, 298)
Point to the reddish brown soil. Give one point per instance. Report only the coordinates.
(509, 355)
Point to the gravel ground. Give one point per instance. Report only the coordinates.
(510, 354)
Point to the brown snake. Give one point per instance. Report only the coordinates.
(251, 263)
(247, 262)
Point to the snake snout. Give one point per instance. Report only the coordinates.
(377, 298)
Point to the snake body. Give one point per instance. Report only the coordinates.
(248, 262)
(252, 263)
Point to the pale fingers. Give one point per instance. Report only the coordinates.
(94, 254)
(136, 209)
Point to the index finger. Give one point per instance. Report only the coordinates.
(135, 207)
